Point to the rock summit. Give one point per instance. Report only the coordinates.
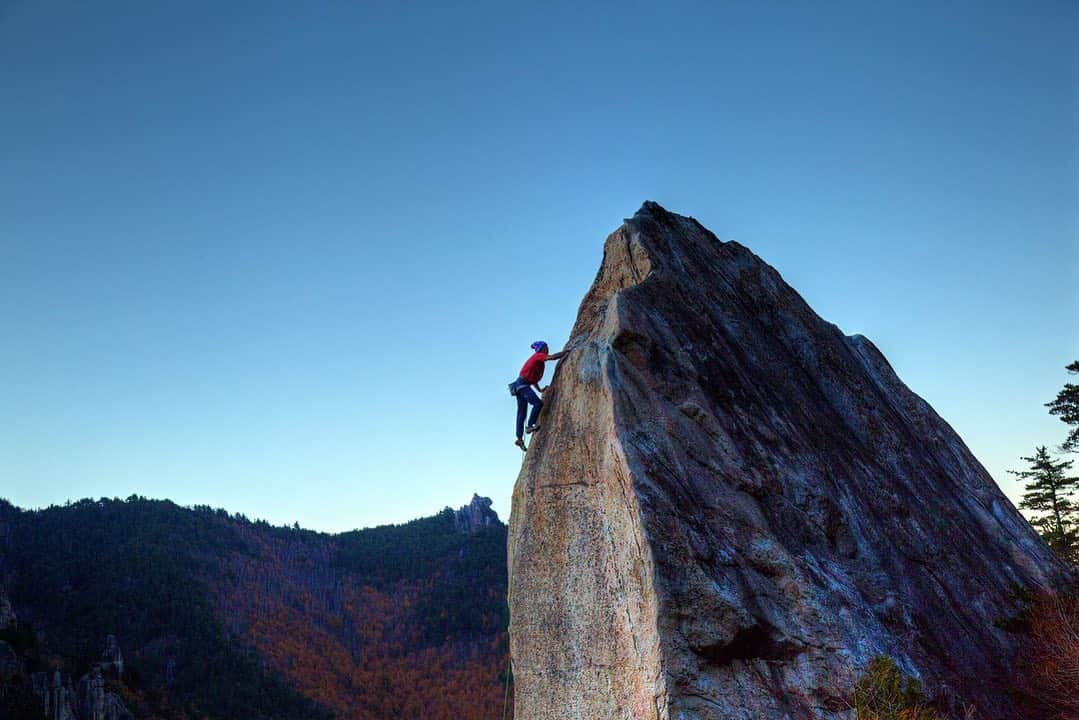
(733, 507)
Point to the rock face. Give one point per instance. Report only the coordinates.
(90, 699)
(56, 695)
(112, 660)
(476, 515)
(97, 703)
(732, 507)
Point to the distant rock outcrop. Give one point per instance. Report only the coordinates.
(56, 695)
(90, 698)
(733, 507)
(97, 703)
(477, 514)
(112, 660)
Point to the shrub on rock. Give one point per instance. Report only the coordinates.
(884, 693)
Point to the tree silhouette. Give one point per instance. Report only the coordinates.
(1050, 494)
(1066, 405)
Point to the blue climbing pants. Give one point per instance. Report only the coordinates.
(527, 396)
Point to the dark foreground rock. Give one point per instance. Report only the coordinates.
(733, 507)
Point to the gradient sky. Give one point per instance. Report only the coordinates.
(283, 258)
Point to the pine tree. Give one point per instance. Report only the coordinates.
(1050, 494)
(1066, 405)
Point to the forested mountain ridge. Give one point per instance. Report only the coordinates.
(222, 617)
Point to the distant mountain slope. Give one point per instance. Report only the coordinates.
(222, 617)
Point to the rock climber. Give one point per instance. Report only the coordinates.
(521, 388)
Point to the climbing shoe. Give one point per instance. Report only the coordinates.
(520, 443)
(531, 429)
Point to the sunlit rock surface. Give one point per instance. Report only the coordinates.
(731, 507)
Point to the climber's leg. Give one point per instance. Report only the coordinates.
(522, 409)
(535, 402)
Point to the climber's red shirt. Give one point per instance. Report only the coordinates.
(532, 370)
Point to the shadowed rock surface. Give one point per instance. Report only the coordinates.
(89, 699)
(732, 507)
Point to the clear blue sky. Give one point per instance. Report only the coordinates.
(283, 257)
